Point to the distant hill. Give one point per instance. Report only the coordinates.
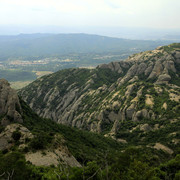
(43, 45)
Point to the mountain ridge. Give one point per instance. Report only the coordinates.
(39, 148)
(54, 45)
(144, 86)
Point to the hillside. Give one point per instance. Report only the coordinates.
(15, 111)
(35, 148)
(34, 144)
(141, 92)
(39, 46)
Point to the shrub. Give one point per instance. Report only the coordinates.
(16, 135)
(40, 141)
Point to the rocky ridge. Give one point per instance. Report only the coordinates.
(143, 87)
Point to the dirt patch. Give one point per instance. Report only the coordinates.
(149, 100)
(42, 73)
(165, 106)
(19, 84)
(55, 157)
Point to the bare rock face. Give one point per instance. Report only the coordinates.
(163, 78)
(57, 153)
(10, 108)
(163, 148)
(145, 127)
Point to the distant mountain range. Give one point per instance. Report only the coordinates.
(48, 45)
(137, 33)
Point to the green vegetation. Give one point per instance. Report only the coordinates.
(40, 141)
(171, 47)
(134, 163)
(61, 51)
(104, 77)
(14, 166)
(138, 137)
(133, 155)
(101, 158)
(16, 135)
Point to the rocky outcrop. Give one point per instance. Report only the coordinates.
(163, 79)
(6, 137)
(55, 155)
(166, 149)
(145, 128)
(10, 108)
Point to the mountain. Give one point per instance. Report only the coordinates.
(13, 117)
(16, 115)
(143, 90)
(29, 46)
(135, 102)
(35, 148)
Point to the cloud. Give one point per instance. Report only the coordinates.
(37, 9)
(112, 4)
(154, 13)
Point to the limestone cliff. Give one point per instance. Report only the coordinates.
(10, 108)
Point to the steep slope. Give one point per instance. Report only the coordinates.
(143, 87)
(43, 142)
(13, 132)
(37, 148)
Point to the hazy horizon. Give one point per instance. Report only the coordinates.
(129, 19)
(117, 32)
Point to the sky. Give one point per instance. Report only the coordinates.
(89, 13)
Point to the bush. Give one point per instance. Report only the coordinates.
(40, 141)
(14, 164)
(1, 129)
(16, 135)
